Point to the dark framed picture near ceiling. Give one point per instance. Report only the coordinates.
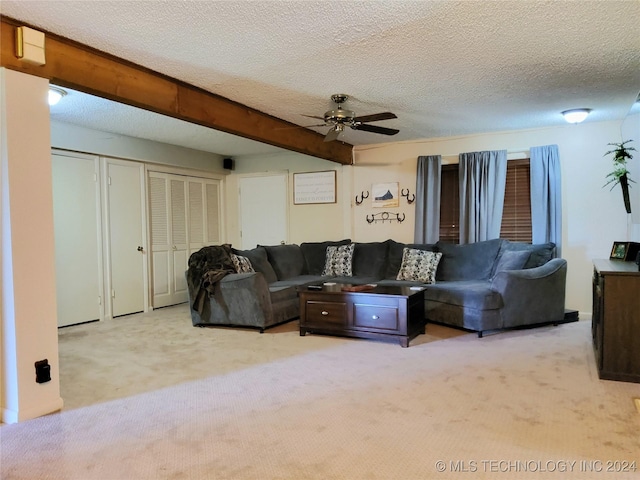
(314, 187)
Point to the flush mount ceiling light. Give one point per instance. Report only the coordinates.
(576, 115)
(55, 94)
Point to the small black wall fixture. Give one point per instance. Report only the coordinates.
(362, 197)
(386, 217)
(406, 195)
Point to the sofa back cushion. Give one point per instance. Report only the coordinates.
(260, 262)
(394, 255)
(370, 259)
(287, 260)
(471, 261)
(315, 254)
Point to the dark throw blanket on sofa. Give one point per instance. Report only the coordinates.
(206, 268)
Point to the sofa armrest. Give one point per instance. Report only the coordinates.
(534, 295)
(245, 298)
(239, 299)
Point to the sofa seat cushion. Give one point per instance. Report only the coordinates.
(354, 280)
(301, 280)
(470, 294)
(391, 282)
(282, 294)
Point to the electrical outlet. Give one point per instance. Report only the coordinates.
(43, 371)
(636, 401)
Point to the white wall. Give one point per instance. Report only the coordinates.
(314, 222)
(80, 139)
(28, 302)
(593, 217)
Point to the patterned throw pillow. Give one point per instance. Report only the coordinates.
(419, 265)
(242, 264)
(338, 261)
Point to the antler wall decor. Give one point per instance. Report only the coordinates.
(362, 197)
(386, 217)
(406, 195)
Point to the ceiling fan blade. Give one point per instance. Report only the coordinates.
(375, 129)
(375, 117)
(312, 116)
(332, 135)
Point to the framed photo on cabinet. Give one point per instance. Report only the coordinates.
(624, 251)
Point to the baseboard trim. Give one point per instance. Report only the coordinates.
(14, 416)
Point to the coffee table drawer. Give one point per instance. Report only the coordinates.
(376, 317)
(326, 313)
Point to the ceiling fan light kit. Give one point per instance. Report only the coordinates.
(340, 118)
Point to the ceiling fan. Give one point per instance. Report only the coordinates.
(340, 118)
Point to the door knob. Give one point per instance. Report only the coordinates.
(140, 249)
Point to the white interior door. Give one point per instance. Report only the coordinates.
(126, 237)
(185, 216)
(169, 243)
(78, 238)
(263, 210)
(205, 219)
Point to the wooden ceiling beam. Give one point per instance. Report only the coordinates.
(74, 65)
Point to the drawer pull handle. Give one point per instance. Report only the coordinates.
(375, 317)
(324, 312)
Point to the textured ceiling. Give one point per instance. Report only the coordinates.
(443, 67)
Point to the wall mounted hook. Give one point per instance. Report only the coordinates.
(362, 197)
(406, 195)
(386, 217)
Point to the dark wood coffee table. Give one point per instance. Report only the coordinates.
(381, 312)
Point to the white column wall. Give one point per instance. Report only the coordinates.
(28, 294)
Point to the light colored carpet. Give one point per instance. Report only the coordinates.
(151, 397)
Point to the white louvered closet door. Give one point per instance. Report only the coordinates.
(185, 216)
(168, 238)
(204, 214)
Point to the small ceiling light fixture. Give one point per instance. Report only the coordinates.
(55, 94)
(576, 115)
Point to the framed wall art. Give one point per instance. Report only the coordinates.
(385, 195)
(314, 187)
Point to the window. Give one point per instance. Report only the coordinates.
(449, 204)
(516, 215)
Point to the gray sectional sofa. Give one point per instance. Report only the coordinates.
(483, 286)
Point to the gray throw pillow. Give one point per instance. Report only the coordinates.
(539, 253)
(512, 260)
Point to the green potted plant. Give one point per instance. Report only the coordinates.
(620, 174)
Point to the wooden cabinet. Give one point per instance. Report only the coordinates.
(382, 313)
(616, 320)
